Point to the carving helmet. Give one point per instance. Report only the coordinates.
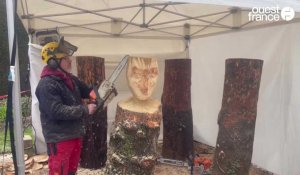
(50, 50)
(57, 50)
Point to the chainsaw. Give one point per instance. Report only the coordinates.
(198, 169)
(106, 91)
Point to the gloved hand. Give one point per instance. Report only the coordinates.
(91, 108)
(106, 93)
(93, 96)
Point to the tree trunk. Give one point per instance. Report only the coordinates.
(237, 117)
(133, 143)
(93, 155)
(177, 110)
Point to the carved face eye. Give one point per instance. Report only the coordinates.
(142, 76)
(153, 72)
(136, 72)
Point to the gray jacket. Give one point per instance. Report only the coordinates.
(61, 109)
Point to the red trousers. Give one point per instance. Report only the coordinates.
(64, 156)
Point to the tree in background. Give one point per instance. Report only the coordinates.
(4, 51)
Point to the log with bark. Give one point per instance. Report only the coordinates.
(91, 70)
(177, 110)
(133, 143)
(237, 117)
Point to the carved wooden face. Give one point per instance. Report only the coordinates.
(142, 74)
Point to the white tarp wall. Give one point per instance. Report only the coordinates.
(276, 143)
(276, 120)
(34, 52)
(111, 62)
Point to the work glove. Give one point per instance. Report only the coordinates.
(91, 108)
(104, 94)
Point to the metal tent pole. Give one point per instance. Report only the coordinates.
(11, 14)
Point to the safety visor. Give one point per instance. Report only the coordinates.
(60, 55)
(66, 47)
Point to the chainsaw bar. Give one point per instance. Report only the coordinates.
(172, 162)
(118, 69)
(196, 169)
(106, 85)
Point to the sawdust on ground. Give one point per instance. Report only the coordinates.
(160, 169)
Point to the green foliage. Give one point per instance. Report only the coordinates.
(26, 112)
(27, 131)
(2, 110)
(26, 108)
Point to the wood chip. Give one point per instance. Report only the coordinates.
(28, 171)
(5, 165)
(46, 166)
(29, 163)
(36, 166)
(11, 168)
(9, 173)
(25, 156)
(40, 158)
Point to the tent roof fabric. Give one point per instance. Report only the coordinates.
(295, 4)
(146, 19)
(139, 27)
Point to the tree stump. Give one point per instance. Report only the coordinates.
(237, 117)
(133, 143)
(177, 110)
(93, 155)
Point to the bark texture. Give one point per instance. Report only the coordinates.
(133, 143)
(91, 70)
(237, 117)
(177, 110)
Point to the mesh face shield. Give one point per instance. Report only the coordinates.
(66, 47)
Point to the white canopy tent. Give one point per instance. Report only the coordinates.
(146, 25)
(208, 32)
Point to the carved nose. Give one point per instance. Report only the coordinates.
(145, 86)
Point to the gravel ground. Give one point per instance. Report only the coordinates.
(160, 169)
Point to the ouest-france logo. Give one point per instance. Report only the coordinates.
(271, 14)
